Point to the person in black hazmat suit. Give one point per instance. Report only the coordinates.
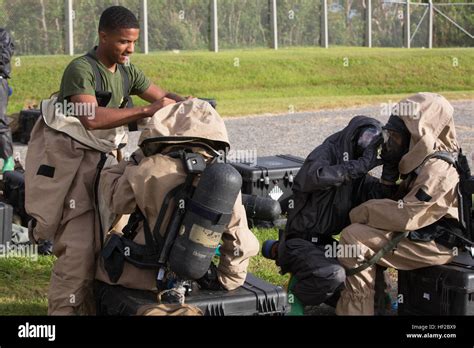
(333, 180)
(6, 144)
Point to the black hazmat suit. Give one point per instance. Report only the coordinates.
(331, 182)
(6, 51)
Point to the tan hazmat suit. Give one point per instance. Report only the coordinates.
(61, 167)
(145, 181)
(429, 119)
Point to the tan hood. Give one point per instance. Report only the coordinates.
(189, 121)
(429, 119)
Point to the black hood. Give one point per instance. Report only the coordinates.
(324, 198)
(345, 140)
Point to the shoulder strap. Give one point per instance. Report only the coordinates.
(132, 126)
(95, 69)
(448, 157)
(126, 81)
(98, 78)
(398, 236)
(459, 161)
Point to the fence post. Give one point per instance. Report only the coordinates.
(144, 25)
(324, 24)
(274, 23)
(368, 24)
(407, 25)
(69, 27)
(214, 27)
(430, 24)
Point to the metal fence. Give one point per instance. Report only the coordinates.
(70, 26)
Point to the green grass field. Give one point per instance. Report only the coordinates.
(24, 282)
(265, 81)
(24, 285)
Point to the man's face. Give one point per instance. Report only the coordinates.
(119, 44)
(393, 148)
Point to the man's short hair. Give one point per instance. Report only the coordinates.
(116, 18)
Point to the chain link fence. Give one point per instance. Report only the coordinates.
(299, 23)
(178, 25)
(419, 25)
(40, 27)
(37, 26)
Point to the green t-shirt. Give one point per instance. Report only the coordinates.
(79, 78)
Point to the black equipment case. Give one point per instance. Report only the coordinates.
(255, 297)
(6, 221)
(438, 290)
(27, 121)
(272, 176)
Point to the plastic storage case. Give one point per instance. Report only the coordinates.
(28, 119)
(271, 176)
(6, 217)
(255, 297)
(438, 290)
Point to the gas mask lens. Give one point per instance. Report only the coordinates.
(368, 136)
(385, 135)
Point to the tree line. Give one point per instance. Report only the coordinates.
(38, 26)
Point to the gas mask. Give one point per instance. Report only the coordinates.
(367, 135)
(396, 140)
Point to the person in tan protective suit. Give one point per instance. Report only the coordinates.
(426, 212)
(79, 126)
(144, 182)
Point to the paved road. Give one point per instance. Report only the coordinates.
(298, 134)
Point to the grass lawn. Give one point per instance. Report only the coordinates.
(24, 285)
(24, 282)
(266, 81)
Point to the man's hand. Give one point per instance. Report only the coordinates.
(368, 161)
(369, 158)
(154, 107)
(390, 174)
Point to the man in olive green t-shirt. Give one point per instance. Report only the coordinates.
(61, 171)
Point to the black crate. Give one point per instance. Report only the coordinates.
(255, 297)
(438, 290)
(6, 221)
(271, 176)
(27, 121)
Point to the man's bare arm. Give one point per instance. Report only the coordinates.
(154, 93)
(108, 118)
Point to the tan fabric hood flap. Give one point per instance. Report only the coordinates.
(183, 122)
(73, 127)
(429, 119)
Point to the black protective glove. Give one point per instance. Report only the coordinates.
(210, 281)
(390, 172)
(366, 163)
(45, 247)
